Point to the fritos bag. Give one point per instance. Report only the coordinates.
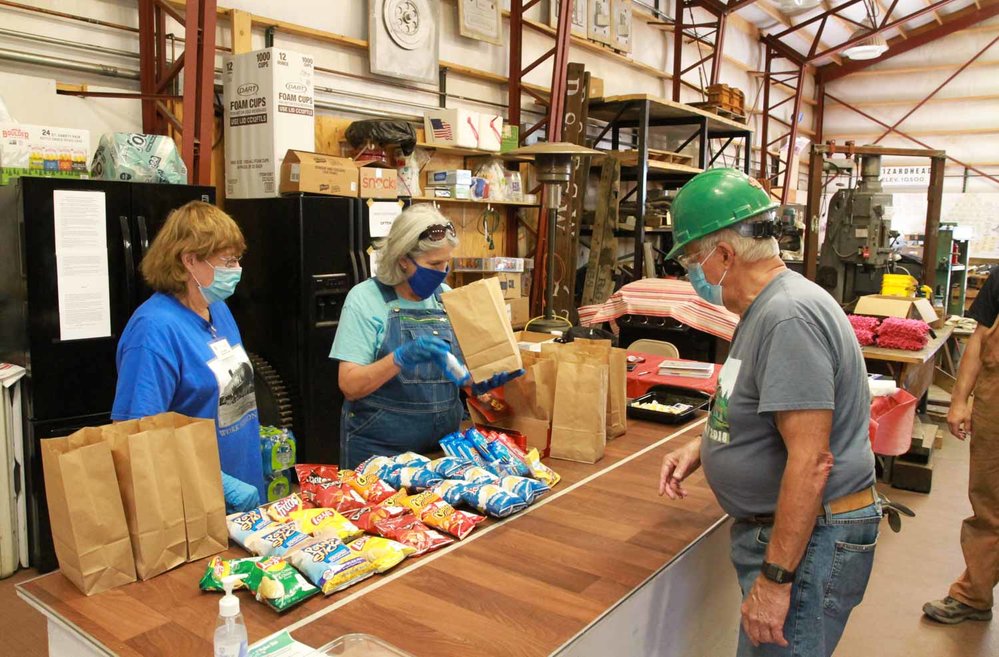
(88, 519)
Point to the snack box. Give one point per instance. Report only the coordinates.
(669, 396)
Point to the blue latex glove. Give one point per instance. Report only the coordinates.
(495, 381)
(419, 351)
(239, 496)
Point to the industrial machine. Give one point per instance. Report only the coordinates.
(856, 251)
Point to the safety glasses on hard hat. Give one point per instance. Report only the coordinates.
(437, 232)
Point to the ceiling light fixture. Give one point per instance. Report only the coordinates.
(870, 48)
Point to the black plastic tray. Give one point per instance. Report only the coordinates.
(668, 395)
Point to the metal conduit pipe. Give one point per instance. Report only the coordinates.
(70, 64)
(69, 44)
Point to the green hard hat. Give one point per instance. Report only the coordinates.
(715, 199)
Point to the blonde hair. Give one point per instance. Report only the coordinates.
(404, 240)
(196, 227)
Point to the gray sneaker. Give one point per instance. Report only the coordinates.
(953, 611)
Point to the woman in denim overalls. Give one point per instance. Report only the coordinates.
(392, 345)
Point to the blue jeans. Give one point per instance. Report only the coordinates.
(830, 580)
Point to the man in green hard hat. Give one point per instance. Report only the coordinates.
(785, 448)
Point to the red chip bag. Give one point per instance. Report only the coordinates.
(435, 512)
(337, 495)
(366, 517)
(408, 530)
(310, 476)
(370, 487)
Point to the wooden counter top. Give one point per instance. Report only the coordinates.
(911, 357)
(522, 586)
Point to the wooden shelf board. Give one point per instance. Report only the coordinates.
(431, 199)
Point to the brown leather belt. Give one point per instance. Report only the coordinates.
(844, 504)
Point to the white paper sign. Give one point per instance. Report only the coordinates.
(82, 264)
(905, 176)
(381, 214)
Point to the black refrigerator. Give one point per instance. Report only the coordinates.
(304, 254)
(70, 383)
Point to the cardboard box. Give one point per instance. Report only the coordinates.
(513, 285)
(449, 177)
(35, 150)
(492, 264)
(490, 132)
(316, 173)
(532, 340)
(596, 88)
(269, 110)
(878, 305)
(377, 182)
(519, 311)
(457, 192)
(511, 138)
(452, 127)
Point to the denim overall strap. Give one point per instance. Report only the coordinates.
(412, 411)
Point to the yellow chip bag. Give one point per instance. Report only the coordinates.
(382, 553)
(325, 523)
(540, 471)
(331, 566)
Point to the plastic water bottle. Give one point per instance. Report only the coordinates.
(456, 371)
(230, 631)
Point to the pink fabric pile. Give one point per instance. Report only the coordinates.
(908, 334)
(864, 328)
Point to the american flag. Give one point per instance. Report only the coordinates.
(441, 129)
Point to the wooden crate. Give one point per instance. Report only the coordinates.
(727, 98)
(721, 111)
(630, 158)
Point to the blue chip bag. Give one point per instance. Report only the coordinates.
(243, 525)
(526, 489)
(458, 447)
(477, 475)
(411, 459)
(375, 464)
(502, 453)
(451, 490)
(447, 466)
(417, 479)
(277, 540)
(475, 438)
(492, 500)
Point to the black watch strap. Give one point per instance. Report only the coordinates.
(776, 574)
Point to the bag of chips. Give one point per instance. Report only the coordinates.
(276, 540)
(526, 489)
(281, 510)
(493, 501)
(369, 486)
(408, 530)
(279, 585)
(447, 466)
(243, 525)
(219, 568)
(382, 553)
(475, 438)
(502, 453)
(435, 512)
(456, 446)
(377, 465)
(450, 490)
(540, 471)
(479, 476)
(325, 523)
(418, 479)
(366, 517)
(337, 495)
(331, 565)
(411, 459)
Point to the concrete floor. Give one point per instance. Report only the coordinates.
(910, 568)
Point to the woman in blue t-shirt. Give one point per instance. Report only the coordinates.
(181, 351)
(392, 342)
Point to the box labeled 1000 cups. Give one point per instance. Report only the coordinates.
(269, 110)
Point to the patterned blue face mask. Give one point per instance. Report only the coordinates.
(425, 281)
(712, 293)
(223, 283)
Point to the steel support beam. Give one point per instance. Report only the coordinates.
(678, 49)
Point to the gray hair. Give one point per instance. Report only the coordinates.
(404, 240)
(748, 249)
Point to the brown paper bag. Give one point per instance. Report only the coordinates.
(579, 424)
(145, 463)
(531, 398)
(88, 520)
(478, 315)
(197, 454)
(617, 382)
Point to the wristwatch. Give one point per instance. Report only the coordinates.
(776, 574)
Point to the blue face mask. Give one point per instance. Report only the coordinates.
(223, 283)
(712, 293)
(425, 281)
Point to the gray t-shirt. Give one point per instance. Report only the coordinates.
(793, 350)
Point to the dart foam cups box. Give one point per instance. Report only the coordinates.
(36, 150)
(269, 110)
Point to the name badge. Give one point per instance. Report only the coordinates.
(221, 348)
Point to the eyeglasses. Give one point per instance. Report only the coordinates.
(230, 261)
(687, 261)
(437, 232)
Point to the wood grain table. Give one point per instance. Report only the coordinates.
(522, 586)
(912, 370)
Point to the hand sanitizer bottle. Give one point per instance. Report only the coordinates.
(230, 631)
